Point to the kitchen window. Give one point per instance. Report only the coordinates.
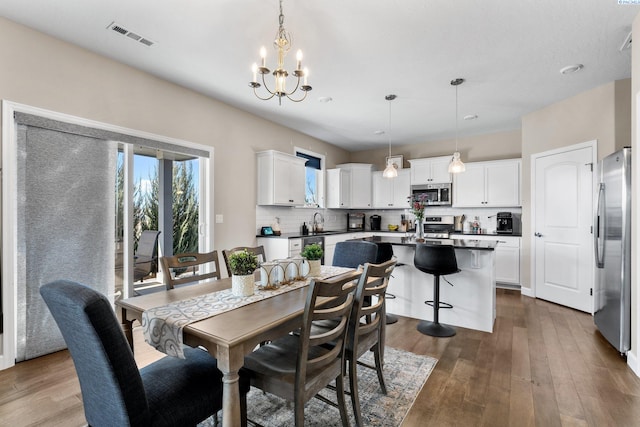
(314, 178)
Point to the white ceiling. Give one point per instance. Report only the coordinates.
(358, 51)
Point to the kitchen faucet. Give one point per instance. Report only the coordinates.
(316, 223)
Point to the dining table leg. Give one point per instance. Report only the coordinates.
(230, 360)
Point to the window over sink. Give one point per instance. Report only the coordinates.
(314, 177)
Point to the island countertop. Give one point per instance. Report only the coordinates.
(486, 245)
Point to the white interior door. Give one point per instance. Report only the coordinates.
(563, 218)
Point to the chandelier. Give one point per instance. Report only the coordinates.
(282, 44)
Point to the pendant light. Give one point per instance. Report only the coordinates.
(456, 165)
(390, 171)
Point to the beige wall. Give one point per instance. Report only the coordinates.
(598, 114)
(502, 145)
(44, 72)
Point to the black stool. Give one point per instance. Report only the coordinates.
(438, 260)
(385, 253)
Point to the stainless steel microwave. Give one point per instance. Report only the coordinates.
(434, 194)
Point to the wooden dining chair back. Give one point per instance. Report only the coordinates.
(297, 366)
(367, 327)
(189, 268)
(257, 251)
(167, 392)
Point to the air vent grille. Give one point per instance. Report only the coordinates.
(120, 29)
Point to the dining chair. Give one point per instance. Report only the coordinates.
(176, 268)
(297, 366)
(354, 253)
(366, 328)
(257, 251)
(145, 259)
(168, 392)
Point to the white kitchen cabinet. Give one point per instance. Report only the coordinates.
(392, 192)
(488, 184)
(349, 186)
(507, 256)
(338, 188)
(430, 170)
(280, 247)
(281, 179)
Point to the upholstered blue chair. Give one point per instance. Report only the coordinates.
(353, 253)
(169, 392)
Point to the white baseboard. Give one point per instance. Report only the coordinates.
(527, 292)
(632, 361)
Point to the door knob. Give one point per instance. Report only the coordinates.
(537, 234)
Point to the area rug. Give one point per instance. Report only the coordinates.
(405, 374)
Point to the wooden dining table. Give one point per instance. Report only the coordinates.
(228, 336)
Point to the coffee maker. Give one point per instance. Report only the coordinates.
(504, 223)
(355, 221)
(375, 222)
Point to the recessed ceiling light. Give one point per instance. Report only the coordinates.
(325, 99)
(570, 69)
(471, 117)
(378, 132)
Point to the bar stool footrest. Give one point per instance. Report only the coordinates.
(442, 304)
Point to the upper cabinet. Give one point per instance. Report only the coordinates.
(281, 179)
(431, 170)
(392, 193)
(349, 186)
(488, 184)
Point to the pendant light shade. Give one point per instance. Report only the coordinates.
(390, 171)
(456, 165)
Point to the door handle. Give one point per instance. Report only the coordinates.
(537, 234)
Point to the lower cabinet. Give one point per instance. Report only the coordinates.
(278, 248)
(507, 256)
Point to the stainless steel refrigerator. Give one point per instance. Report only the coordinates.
(613, 250)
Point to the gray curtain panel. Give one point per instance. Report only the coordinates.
(66, 224)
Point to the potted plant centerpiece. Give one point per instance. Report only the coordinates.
(242, 264)
(313, 254)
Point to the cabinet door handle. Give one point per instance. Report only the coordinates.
(537, 234)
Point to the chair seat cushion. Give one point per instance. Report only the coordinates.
(278, 358)
(178, 389)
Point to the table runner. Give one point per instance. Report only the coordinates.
(162, 326)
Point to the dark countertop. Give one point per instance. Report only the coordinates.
(462, 233)
(328, 233)
(486, 245)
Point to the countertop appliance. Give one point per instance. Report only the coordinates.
(355, 221)
(438, 227)
(612, 241)
(375, 222)
(504, 223)
(433, 194)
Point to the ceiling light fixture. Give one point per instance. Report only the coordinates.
(390, 171)
(282, 44)
(456, 165)
(570, 69)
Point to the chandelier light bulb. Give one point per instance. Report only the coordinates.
(263, 55)
(299, 59)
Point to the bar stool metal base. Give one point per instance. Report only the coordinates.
(435, 329)
(391, 319)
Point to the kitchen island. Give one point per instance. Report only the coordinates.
(472, 291)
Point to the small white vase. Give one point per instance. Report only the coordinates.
(314, 267)
(242, 286)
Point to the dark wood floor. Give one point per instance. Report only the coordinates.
(544, 365)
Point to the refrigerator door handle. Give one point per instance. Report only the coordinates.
(597, 238)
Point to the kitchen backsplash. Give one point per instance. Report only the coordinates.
(291, 219)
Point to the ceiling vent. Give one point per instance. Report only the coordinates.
(133, 36)
(627, 43)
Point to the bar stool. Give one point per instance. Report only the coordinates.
(438, 260)
(385, 253)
